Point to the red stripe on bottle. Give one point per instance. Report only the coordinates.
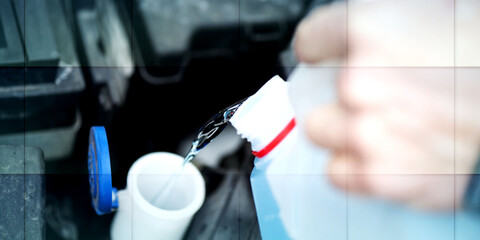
(279, 138)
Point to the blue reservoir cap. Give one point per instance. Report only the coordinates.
(100, 177)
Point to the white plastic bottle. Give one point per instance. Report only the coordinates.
(138, 217)
(288, 173)
(293, 196)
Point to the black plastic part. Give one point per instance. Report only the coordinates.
(37, 33)
(22, 193)
(167, 35)
(11, 49)
(40, 87)
(229, 210)
(107, 70)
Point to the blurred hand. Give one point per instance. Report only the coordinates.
(408, 114)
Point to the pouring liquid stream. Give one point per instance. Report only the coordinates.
(161, 199)
(205, 135)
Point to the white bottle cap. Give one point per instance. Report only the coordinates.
(265, 114)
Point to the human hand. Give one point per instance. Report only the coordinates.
(407, 118)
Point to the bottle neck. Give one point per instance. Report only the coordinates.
(276, 141)
(266, 117)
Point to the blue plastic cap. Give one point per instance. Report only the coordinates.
(100, 176)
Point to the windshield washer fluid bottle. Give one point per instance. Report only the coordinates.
(293, 196)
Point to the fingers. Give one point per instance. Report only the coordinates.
(348, 172)
(344, 172)
(327, 127)
(322, 35)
